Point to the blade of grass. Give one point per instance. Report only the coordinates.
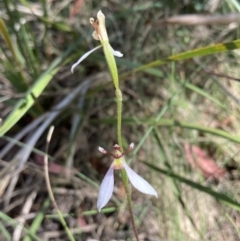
(58, 25)
(85, 213)
(176, 188)
(14, 223)
(12, 20)
(21, 84)
(22, 144)
(24, 104)
(233, 224)
(165, 107)
(49, 188)
(190, 86)
(219, 196)
(23, 38)
(16, 74)
(7, 39)
(4, 232)
(170, 123)
(236, 4)
(209, 50)
(38, 219)
(156, 72)
(30, 58)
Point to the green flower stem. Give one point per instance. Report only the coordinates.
(129, 200)
(111, 63)
(114, 73)
(119, 117)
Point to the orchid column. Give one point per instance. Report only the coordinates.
(106, 188)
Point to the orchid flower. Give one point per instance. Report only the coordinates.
(106, 187)
(100, 33)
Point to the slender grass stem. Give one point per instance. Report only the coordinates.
(60, 216)
(6, 218)
(171, 123)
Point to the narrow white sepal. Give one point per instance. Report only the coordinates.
(138, 182)
(102, 150)
(84, 57)
(116, 53)
(106, 189)
(131, 146)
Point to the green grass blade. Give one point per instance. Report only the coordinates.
(219, 196)
(5, 233)
(205, 94)
(14, 223)
(32, 61)
(209, 50)
(232, 221)
(58, 25)
(170, 123)
(158, 73)
(7, 39)
(25, 103)
(21, 83)
(175, 185)
(38, 220)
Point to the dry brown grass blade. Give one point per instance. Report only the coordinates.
(5, 175)
(25, 210)
(49, 188)
(25, 152)
(198, 19)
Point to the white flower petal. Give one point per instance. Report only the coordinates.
(102, 150)
(84, 57)
(100, 14)
(116, 53)
(106, 189)
(131, 146)
(95, 35)
(138, 182)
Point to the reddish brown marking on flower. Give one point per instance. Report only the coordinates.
(95, 26)
(117, 153)
(116, 147)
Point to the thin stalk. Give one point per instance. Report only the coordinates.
(21, 83)
(60, 216)
(111, 63)
(119, 117)
(129, 201)
(13, 18)
(6, 218)
(30, 58)
(172, 123)
(119, 137)
(100, 31)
